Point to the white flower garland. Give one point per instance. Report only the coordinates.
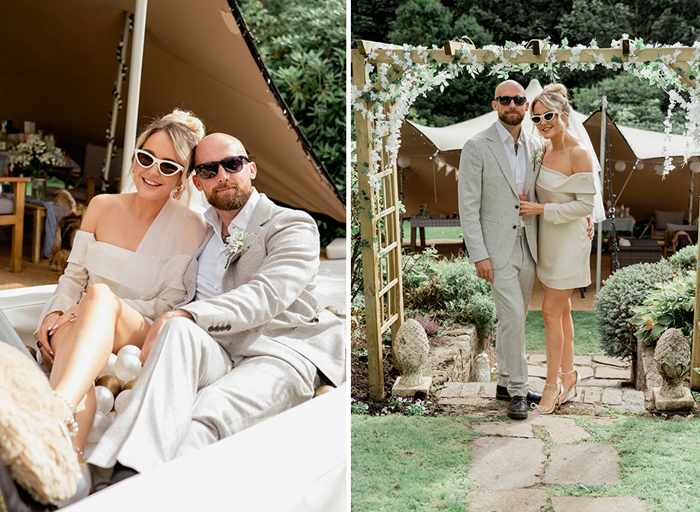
(417, 79)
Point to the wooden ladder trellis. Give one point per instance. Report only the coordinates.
(380, 218)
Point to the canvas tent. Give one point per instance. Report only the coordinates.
(58, 67)
(434, 159)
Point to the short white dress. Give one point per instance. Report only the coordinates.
(563, 246)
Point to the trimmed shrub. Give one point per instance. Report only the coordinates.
(686, 257)
(615, 302)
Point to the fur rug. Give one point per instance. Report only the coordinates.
(65, 232)
(32, 444)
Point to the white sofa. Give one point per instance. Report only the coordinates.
(295, 461)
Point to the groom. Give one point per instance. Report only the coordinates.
(496, 165)
(252, 343)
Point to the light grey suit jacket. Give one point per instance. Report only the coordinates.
(489, 207)
(268, 291)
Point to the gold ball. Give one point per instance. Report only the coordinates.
(32, 351)
(332, 309)
(111, 383)
(323, 389)
(130, 384)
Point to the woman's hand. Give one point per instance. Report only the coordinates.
(51, 323)
(528, 208)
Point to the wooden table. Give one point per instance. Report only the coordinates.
(39, 213)
(16, 220)
(424, 222)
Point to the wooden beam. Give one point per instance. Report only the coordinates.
(363, 130)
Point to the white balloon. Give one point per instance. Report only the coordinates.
(105, 399)
(129, 349)
(127, 367)
(112, 416)
(109, 367)
(122, 401)
(99, 425)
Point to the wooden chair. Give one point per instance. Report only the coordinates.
(12, 214)
(662, 219)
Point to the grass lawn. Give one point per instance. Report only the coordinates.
(445, 232)
(414, 463)
(586, 342)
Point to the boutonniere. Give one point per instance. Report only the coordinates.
(537, 154)
(234, 244)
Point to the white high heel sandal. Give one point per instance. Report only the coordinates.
(538, 409)
(566, 397)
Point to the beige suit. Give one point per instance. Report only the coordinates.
(489, 210)
(254, 351)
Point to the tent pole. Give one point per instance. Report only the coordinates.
(117, 101)
(599, 248)
(132, 104)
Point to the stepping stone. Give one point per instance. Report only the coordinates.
(585, 372)
(612, 396)
(506, 428)
(605, 372)
(537, 359)
(592, 395)
(611, 361)
(632, 401)
(489, 390)
(537, 371)
(451, 390)
(522, 500)
(587, 464)
(582, 361)
(561, 430)
(470, 389)
(506, 463)
(470, 400)
(608, 383)
(571, 504)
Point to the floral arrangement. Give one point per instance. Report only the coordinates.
(536, 158)
(35, 156)
(234, 244)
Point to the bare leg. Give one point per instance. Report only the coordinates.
(567, 356)
(104, 324)
(553, 307)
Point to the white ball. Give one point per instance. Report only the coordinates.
(127, 367)
(109, 367)
(112, 416)
(105, 399)
(129, 349)
(122, 401)
(99, 425)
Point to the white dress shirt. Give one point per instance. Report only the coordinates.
(518, 163)
(210, 270)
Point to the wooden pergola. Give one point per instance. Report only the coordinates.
(380, 216)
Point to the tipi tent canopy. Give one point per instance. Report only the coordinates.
(59, 66)
(434, 162)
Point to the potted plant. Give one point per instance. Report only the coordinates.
(36, 158)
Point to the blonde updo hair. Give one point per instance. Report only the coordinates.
(554, 97)
(184, 130)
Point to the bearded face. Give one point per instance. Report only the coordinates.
(231, 201)
(511, 116)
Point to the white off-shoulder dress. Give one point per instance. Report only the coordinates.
(564, 249)
(150, 280)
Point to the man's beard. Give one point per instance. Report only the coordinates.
(507, 118)
(231, 201)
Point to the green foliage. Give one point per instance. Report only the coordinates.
(671, 304)
(686, 257)
(615, 302)
(303, 45)
(449, 290)
(358, 406)
(631, 102)
(406, 406)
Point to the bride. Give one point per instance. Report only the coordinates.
(569, 190)
(125, 269)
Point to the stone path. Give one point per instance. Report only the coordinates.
(515, 459)
(604, 381)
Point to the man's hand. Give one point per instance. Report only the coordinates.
(157, 326)
(483, 270)
(591, 227)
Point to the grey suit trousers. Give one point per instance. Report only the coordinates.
(192, 393)
(511, 288)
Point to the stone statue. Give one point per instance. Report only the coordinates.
(410, 349)
(672, 357)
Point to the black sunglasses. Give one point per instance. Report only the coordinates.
(547, 116)
(505, 100)
(231, 164)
